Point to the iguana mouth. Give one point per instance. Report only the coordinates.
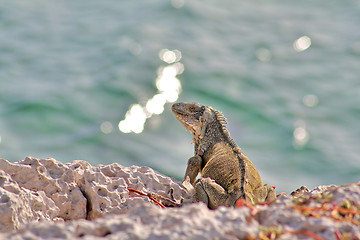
(178, 111)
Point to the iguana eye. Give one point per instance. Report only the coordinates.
(192, 108)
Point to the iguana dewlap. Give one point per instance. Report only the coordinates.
(226, 173)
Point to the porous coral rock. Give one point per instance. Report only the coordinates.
(116, 215)
(105, 187)
(148, 221)
(53, 178)
(350, 192)
(317, 217)
(19, 206)
(104, 195)
(81, 190)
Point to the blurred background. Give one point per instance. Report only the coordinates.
(95, 80)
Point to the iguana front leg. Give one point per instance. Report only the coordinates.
(211, 193)
(193, 168)
(206, 189)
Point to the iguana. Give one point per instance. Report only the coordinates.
(226, 173)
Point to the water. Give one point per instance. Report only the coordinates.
(284, 73)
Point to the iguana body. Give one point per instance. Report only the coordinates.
(226, 173)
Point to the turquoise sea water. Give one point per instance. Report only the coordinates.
(286, 74)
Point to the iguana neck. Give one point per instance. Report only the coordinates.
(213, 132)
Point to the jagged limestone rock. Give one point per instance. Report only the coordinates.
(105, 187)
(20, 205)
(148, 221)
(82, 191)
(28, 211)
(52, 177)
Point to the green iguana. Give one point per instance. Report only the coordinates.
(226, 173)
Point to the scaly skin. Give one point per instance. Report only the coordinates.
(226, 173)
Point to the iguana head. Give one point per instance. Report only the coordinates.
(190, 115)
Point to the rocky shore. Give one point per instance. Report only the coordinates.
(46, 199)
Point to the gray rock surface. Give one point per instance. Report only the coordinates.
(45, 199)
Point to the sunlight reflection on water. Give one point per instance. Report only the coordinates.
(106, 127)
(302, 43)
(263, 54)
(310, 100)
(300, 134)
(169, 88)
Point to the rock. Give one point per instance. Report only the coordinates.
(105, 187)
(52, 177)
(19, 206)
(37, 195)
(82, 191)
(316, 212)
(345, 193)
(150, 222)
